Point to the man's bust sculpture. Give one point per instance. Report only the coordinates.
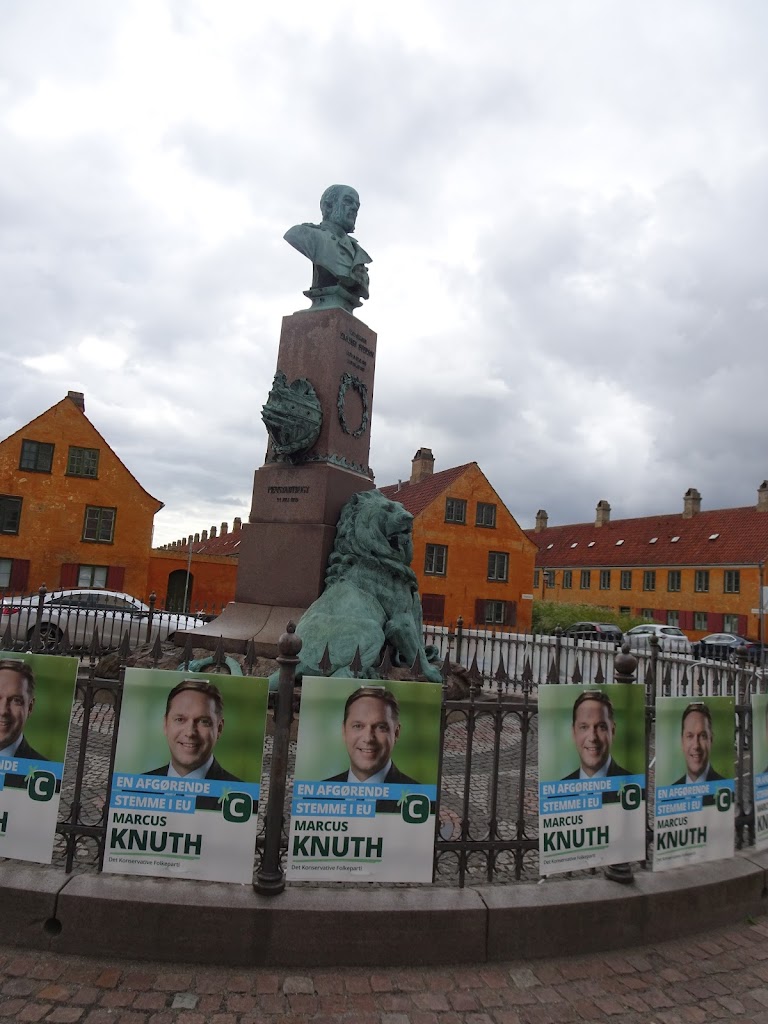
(340, 275)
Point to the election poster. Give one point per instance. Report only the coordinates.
(760, 767)
(185, 787)
(36, 693)
(591, 776)
(694, 815)
(366, 781)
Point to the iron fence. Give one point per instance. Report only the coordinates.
(487, 822)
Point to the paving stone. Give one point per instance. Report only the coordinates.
(296, 984)
(185, 1001)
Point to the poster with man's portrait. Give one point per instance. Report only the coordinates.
(366, 781)
(694, 818)
(591, 776)
(760, 767)
(36, 694)
(186, 782)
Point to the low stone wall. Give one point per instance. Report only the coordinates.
(206, 922)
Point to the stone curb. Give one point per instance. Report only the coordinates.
(209, 922)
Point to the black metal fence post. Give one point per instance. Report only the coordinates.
(152, 601)
(459, 637)
(270, 878)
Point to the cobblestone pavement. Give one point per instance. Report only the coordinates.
(722, 975)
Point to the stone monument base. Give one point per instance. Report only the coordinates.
(241, 622)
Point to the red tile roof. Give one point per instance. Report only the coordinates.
(229, 544)
(417, 497)
(726, 536)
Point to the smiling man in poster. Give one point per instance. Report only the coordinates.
(375, 819)
(190, 817)
(694, 810)
(594, 814)
(35, 705)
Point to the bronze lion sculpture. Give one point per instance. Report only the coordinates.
(371, 597)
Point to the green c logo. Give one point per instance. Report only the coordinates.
(237, 807)
(41, 786)
(415, 808)
(723, 799)
(631, 797)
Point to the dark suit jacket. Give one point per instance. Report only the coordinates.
(215, 772)
(613, 769)
(394, 775)
(20, 781)
(24, 750)
(711, 776)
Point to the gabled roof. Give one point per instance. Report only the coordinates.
(726, 536)
(417, 497)
(67, 404)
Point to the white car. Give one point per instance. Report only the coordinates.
(79, 612)
(672, 640)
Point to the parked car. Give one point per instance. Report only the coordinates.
(672, 640)
(79, 612)
(605, 631)
(724, 647)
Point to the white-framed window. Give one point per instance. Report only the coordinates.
(567, 579)
(586, 579)
(673, 618)
(494, 612)
(674, 578)
(626, 579)
(730, 623)
(6, 565)
(605, 579)
(455, 510)
(486, 514)
(498, 566)
(732, 581)
(99, 524)
(92, 576)
(436, 560)
(700, 620)
(83, 462)
(649, 579)
(701, 581)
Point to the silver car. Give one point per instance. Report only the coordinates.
(672, 640)
(80, 612)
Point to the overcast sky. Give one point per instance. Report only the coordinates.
(566, 204)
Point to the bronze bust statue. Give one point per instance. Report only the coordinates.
(339, 271)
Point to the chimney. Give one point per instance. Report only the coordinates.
(224, 529)
(762, 497)
(422, 465)
(197, 538)
(541, 520)
(204, 535)
(78, 398)
(237, 525)
(691, 503)
(602, 513)
(213, 533)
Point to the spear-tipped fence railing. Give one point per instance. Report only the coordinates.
(487, 822)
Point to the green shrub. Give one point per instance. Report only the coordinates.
(548, 615)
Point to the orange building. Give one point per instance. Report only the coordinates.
(197, 573)
(470, 556)
(71, 514)
(703, 571)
